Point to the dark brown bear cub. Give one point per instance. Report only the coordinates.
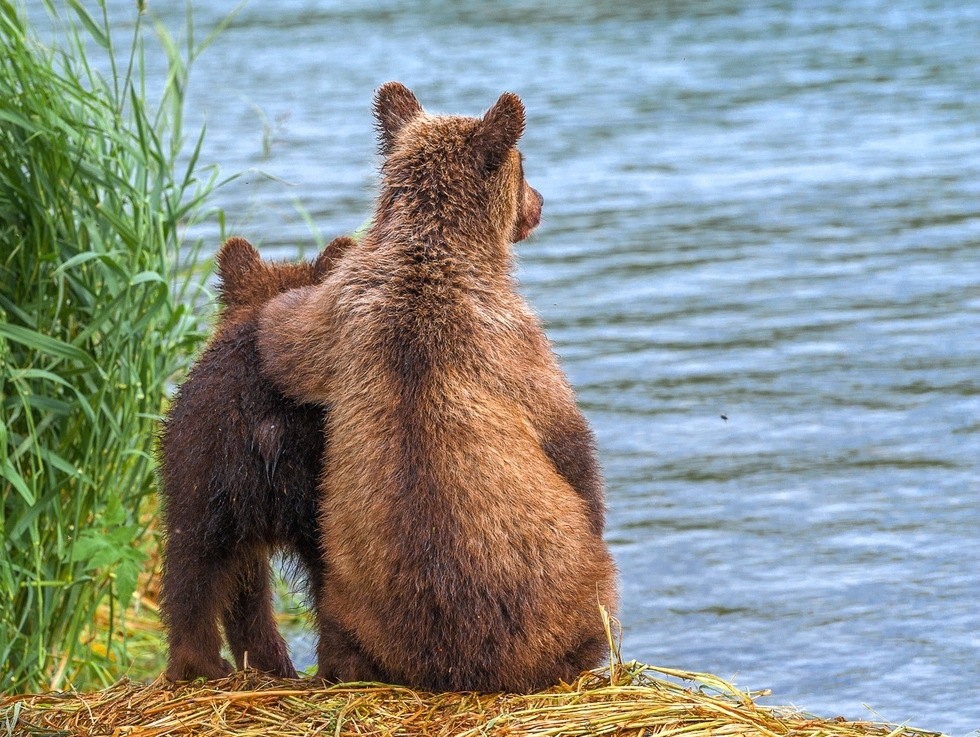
(462, 511)
(239, 466)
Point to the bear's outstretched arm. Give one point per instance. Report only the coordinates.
(294, 337)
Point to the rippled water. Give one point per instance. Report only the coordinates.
(760, 211)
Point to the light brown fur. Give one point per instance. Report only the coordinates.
(461, 511)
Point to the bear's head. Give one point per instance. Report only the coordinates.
(246, 282)
(455, 173)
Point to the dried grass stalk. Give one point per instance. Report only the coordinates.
(645, 701)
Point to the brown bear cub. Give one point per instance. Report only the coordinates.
(239, 469)
(461, 512)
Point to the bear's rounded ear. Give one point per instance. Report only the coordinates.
(330, 255)
(499, 130)
(394, 106)
(235, 259)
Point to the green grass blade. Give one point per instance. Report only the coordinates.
(92, 334)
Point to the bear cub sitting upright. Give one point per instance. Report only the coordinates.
(461, 507)
(239, 470)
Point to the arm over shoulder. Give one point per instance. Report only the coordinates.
(295, 337)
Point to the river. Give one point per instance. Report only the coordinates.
(760, 264)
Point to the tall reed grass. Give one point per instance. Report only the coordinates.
(97, 188)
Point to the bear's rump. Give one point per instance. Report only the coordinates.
(471, 541)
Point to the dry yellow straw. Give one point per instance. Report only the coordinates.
(623, 699)
(644, 700)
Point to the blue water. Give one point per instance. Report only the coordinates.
(765, 212)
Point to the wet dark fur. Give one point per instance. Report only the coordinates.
(462, 508)
(239, 468)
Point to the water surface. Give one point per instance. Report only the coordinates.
(765, 212)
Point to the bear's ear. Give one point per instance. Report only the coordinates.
(499, 130)
(236, 258)
(394, 106)
(330, 255)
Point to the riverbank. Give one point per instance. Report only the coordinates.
(629, 699)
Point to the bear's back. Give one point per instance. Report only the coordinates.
(437, 484)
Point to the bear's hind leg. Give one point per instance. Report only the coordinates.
(340, 659)
(585, 657)
(250, 624)
(311, 565)
(194, 589)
